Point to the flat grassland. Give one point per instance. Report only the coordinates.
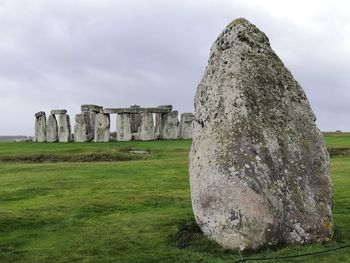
(135, 209)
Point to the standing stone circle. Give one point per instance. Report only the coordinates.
(258, 164)
(133, 123)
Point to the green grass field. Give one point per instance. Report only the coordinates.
(127, 211)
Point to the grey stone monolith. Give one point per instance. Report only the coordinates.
(82, 129)
(123, 127)
(147, 129)
(40, 127)
(158, 119)
(90, 110)
(102, 127)
(51, 129)
(64, 128)
(185, 127)
(91, 117)
(169, 125)
(135, 120)
(259, 167)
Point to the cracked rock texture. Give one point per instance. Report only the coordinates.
(258, 164)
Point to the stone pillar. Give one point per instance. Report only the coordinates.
(135, 120)
(102, 127)
(169, 125)
(64, 127)
(51, 129)
(123, 127)
(40, 127)
(185, 127)
(64, 131)
(147, 129)
(91, 110)
(82, 127)
(159, 120)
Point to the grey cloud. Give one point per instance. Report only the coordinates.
(116, 53)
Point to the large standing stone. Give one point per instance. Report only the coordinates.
(158, 118)
(169, 125)
(64, 128)
(51, 129)
(135, 120)
(102, 128)
(185, 128)
(90, 111)
(123, 127)
(40, 127)
(147, 129)
(82, 127)
(91, 116)
(258, 163)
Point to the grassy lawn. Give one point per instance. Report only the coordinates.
(128, 211)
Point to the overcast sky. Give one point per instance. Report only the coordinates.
(115, 53)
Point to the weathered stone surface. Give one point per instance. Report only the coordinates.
(64, 128)
(168, 107)
(185, 127)
(169, 125)
(51, 129)
(136, 110)
(258, 163)
(39, 114)
(58, 111)
(147, 129)
(102, 128)
(82, 127)
(158, 119)
(91, 107)
(135, 120)
(40, 127)
(123, 127)
(91, 115)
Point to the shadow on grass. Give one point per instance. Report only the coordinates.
(55, 158)
(188, 235)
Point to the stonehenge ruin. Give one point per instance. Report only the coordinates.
(134, 123)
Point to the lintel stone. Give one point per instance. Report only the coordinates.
(58, 111)
(40, 113)
(136, 110)
(91, 107)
